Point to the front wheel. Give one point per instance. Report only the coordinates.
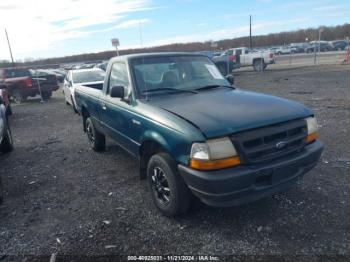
(169, 192)
(96, 140)
(7, 143)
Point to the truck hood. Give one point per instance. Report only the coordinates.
(222, 112)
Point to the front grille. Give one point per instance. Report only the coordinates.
(271, 142)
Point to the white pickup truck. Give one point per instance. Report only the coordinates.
(250, 57)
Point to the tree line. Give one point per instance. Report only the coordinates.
(302, 35)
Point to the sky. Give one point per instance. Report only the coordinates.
(46, 28)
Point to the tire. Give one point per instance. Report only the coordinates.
(17, 96)
(7, 143)
(46, 95)
(96, 140)
(259, 65)
(169, 192)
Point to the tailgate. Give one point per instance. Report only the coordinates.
(47, 82)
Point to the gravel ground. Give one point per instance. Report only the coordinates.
(63, 198)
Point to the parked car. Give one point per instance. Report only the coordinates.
(102, 66)
(283, 50)
(249, 57)
(92, 78)
(322, 47)
(193, 133)
(339, 45)
(298, 47)
(6, 143)
(6, 99)
(22, 83)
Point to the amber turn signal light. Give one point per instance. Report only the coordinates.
(215, 164)
(311, 137)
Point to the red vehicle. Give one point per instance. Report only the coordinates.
(22, 83)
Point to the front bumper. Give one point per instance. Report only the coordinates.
(243, 184)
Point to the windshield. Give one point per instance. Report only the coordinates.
(167, 74)
(88, 76)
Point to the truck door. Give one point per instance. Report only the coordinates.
(115, 114)
(239, 56)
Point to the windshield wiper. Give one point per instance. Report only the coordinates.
(212, 87)
(169, 89)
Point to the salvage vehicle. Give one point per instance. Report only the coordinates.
(22, 83)
(92, 78)
(194, 134)
(249, 57)
(318, 47)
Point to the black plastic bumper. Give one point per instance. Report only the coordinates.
(243, 184)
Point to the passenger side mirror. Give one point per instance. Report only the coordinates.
(230, 79)
(117, 91)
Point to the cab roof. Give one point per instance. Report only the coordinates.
(159, 54)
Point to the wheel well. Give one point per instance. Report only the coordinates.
(147, 150)
(258, 59)
(85, 115)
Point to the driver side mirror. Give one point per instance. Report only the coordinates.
(230, 79)
(117, 92)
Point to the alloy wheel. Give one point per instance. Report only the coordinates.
(160, 186)
(90, 133)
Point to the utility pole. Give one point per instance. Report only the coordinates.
(250, 33)
(8, 42)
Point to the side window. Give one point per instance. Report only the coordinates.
(229, 52)
(246, 51)
(238, 51)
(119, 76)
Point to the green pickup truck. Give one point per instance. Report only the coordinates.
(194, 134)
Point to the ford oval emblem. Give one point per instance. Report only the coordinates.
(281, 145)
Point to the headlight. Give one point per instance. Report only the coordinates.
(312, 129)
(214, 154)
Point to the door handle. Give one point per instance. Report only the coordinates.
(104, 107)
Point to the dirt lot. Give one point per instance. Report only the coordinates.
(62, 197)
